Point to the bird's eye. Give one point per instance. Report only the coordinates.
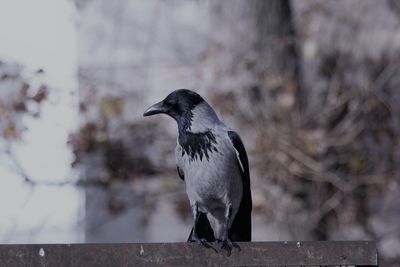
(169, 103)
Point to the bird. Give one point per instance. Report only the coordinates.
(212, 161)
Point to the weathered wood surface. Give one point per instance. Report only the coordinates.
(358, 253)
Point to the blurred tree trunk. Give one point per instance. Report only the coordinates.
(276, 38)
(263, 43)
(278, 61)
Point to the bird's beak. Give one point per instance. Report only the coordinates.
(156, 109)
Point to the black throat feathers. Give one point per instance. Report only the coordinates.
(197, 145)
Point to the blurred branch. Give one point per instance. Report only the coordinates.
(318, 171)
(36, 182)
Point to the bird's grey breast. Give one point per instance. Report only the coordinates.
(213, 177)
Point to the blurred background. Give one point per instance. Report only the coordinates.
(312, 86)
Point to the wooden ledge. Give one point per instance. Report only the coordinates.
(356, 253)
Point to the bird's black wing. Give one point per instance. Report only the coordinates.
(180, 173)
(241, 226)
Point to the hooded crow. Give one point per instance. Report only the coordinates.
(212, 161)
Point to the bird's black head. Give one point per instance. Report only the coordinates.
(178, 104)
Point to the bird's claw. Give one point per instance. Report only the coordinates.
(226, 245)
(201, 241)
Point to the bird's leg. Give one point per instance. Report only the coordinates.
(196, 216)
(225, 242)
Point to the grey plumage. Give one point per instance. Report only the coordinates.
(213, 184)
(212, 161)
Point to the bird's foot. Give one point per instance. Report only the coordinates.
(196, 239)
(226, 245)
(202, 241)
